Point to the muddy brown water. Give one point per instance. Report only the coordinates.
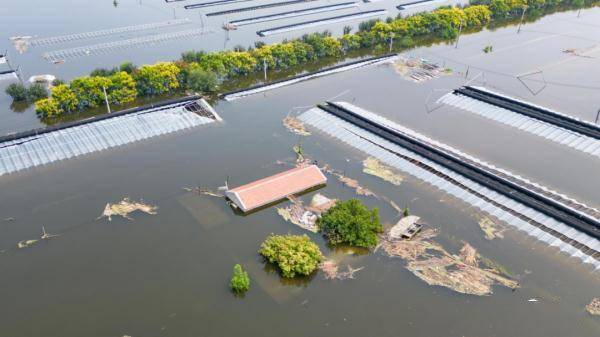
(167, 274)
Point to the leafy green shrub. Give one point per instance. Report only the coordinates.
(240, 282)
(36, 92)
(127, 67)
(202, 81)
(17, 91)
(293, 254)
(351, 222)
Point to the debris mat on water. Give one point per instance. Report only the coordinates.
(126, 206)
(294, 125)
(376, 168)
(594, 307)
(352, 183)
(430, 262)
(332, 271)
(306, 216)
(419, 70)
(491, 229)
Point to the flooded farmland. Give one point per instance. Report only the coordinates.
(161, 265)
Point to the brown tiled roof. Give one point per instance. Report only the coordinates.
(276, 187)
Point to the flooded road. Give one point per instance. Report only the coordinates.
(167, 274)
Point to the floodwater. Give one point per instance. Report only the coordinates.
(167, 274)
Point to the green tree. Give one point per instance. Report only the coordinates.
(17, 91)
(89, 91)
(64, 98)
(351, 222)
(47, 107)
(293, 254)
(240, 281)
(156, 79)
(128, 67)
(36, 91)
(202, 81)
(122, 88)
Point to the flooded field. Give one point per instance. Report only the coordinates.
(161, 265)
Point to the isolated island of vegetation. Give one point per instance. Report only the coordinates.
(202, 72)
(350, 222)
(295, 255)
(240, 281)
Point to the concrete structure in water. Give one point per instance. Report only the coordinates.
(276, 187)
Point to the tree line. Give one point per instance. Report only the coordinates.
(202, 72)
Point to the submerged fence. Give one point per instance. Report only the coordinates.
(525, 214)
(233, 95)
(106, 32)
(102, 48)
(291, 14)
(39, 147)
(413, 4)
(214, 3)
(253, 8)
(552, 125)
(321, 22)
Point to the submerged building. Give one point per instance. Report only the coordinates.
(276, 187)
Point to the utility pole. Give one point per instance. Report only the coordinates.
(458, 37)
(522, 17)
(391, 41)
(265, 68)
(174, 14)
(106, 99)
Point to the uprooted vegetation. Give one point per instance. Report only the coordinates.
(331, 270)
(125, 207)
(376, 168)
(465, 273)
(294, 125)
(491, 229)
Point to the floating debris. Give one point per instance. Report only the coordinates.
(349, 182)
(576, 52)
(296, 126)
(419, 70)
(306, 217)
(26, 243)
(21, 43)
(126, 206)
(45, 79)
(29, 243)
(406, 228)
(376, 168)
(430, 262)
(331, 270)
(594, 307)
(9, 219)
(204, 191)
(491, 229)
